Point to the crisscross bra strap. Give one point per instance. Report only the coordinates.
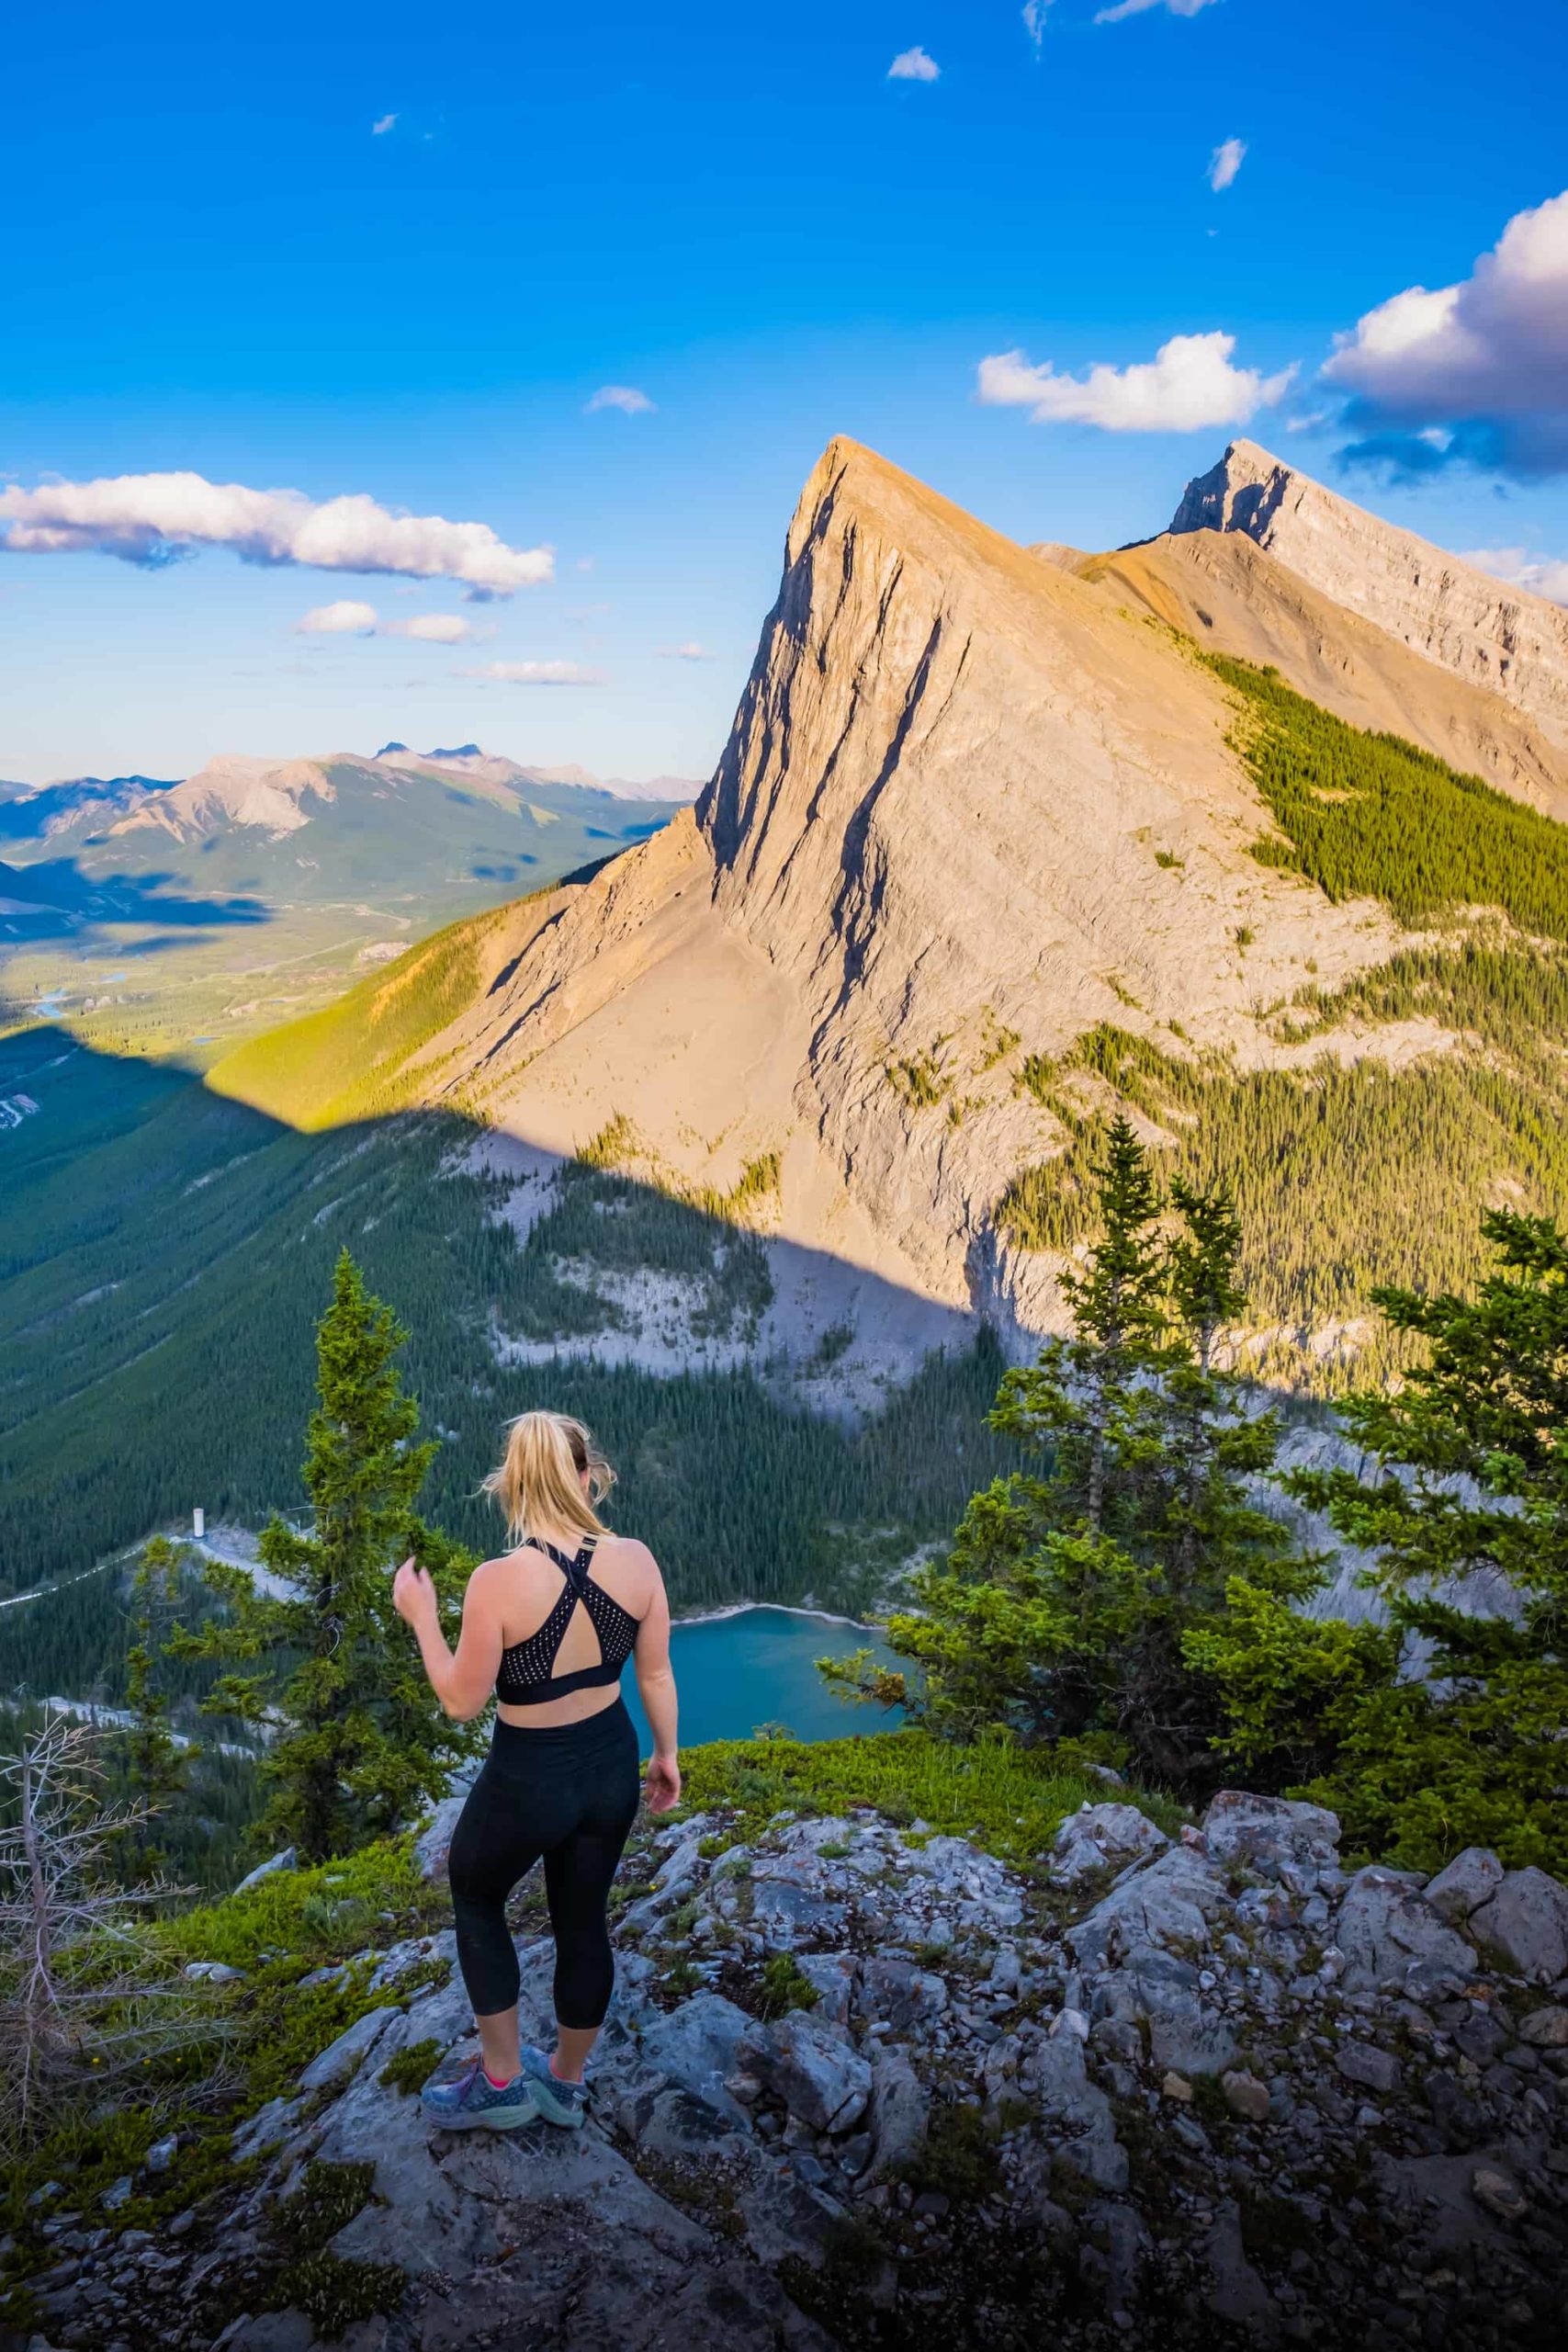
(575, 1569)
(527, 1677)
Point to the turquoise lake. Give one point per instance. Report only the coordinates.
(759, 1667)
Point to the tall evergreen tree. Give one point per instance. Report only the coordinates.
(1063, 1605)
(1469, 1523)
(155, 1769)
(358, 1737)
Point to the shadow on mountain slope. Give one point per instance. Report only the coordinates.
(55, 898)
(167, 1252)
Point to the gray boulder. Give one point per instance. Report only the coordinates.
(1271, 1836)
(695, 2047)
(1390, 1935)
(831, 1975)
(905, 1996)
(434, 1841)
(814, 2069)
(345, 2056)
(1102, 1838)
(899, 2112)
(1169, 1906)
(1525, 1924)
(1469, 1879)
(1080, 2126)
(289, 1859)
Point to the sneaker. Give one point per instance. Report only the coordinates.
(557, 2102)
(473, 2103)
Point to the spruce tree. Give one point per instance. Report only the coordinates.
(155, 1767)
(1064, 1605)
(358, 1738)
(1468, 1520)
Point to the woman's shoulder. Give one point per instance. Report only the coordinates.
(625, 1556)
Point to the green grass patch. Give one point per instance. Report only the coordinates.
(1011, 1800)
(412, 2068)
(350, 1060)
(786, 1986)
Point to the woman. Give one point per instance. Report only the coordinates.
(548, 1628)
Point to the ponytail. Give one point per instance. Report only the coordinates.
(538, 1482)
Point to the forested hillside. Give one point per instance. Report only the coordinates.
(162, 1284)
(1399, 1103)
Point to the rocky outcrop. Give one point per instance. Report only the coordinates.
(866, 2085)
(1511, 643)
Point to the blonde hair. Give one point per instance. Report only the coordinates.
(538, 1481)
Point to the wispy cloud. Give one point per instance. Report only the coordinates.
(535, 673)
(348, 619)
(690, 651)
(380, 128)
(1034, 15)
(914, 65)
(154, 519)
(625, 397)
(1225, 161)
(1475, 373)
(1189, 383)
(1141, 8)
(1543, 575)
(345, 618)
(437, 628)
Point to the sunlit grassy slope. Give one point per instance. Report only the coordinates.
(350, 1060)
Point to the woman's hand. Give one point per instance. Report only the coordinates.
(662, 1785)
(414, 1594)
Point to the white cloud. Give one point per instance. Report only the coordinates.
(1189, 383)
(1483, 364)
(1034, 15)
(341, 619)
(690, 651)
(434, 628)
(1541, 574)
(1225, 161)
(626, 397)
(536, 674)
(1142, 7)
(380, 129)
(347, 618)
(914, 65)
(153, 519)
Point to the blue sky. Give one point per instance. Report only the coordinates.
(217, 264)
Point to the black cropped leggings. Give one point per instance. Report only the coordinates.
(570, 1792)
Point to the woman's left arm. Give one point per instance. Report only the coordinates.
(464, 1681)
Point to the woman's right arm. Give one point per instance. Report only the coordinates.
(656, 1682)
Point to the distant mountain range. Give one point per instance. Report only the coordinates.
(271, 796)
(449, 828)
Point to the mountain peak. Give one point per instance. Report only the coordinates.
(1495, 636)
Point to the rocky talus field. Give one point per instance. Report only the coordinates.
(863, 2085)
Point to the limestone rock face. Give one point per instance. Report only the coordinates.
(967, 797)
(1502, 638)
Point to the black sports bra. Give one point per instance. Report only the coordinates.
(525, 1678)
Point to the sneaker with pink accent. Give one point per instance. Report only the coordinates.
(473, 2103)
